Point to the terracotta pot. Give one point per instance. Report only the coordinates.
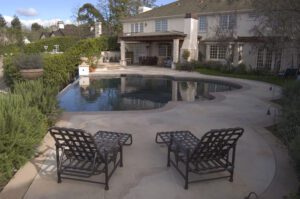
(31, 73)
(92, 69)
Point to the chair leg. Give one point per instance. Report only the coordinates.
(121, 156)
(231, 175)
(106, 173)
(58, 166)
(169, 154)
(186, 177)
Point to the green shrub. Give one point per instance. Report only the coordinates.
(43, 96)
(21, 130)
(240, 69)
(214, 65)
(38, 47)
(11, 72)
(28, 61)
(289, 124)
(8, 50)
(186, 54)
(56, 70)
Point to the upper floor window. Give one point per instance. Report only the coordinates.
(227, 22)
(137, 27)
(202, 24)
(161, 25)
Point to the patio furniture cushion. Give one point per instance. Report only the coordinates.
(214, 152)
(80, 155)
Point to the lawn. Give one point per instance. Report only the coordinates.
(264, 78)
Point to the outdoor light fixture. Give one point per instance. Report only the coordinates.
(46, 48)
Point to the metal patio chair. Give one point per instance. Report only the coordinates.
(213, 153)
(79, 155)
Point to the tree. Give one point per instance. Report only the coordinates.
(89, 14)
(278, 17)
(2, 22)
(16, 23)
(36, 27)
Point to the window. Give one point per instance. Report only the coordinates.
(141, 27)
(132, 28)
(202, 24)
(222, 52)
(277, 60)
(218, 52)
(161, 25)
(264, 59)
(260, 58)
(214, 52)
(137, 27)
(165, 50)
(227, 22)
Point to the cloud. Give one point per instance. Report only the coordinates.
(45, 23)
(27, 12)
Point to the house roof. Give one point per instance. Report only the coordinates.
(71, 30)
(153, 36)
(181, 7)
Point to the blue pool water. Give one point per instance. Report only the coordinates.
(135, 92)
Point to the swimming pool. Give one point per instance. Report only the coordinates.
(133, 92)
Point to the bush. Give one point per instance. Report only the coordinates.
(186, 54)
(11, 72)
(240, 69)
(43, 96)
(8, 50)
(214, 65)
(21, 130)
(29, 61)
(289, 124)
(38, 47)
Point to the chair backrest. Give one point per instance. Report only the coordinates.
(76, 142)
(216, 144)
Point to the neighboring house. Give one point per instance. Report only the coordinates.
(82, 31)
(211, 30)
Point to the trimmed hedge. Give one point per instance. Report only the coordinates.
(38, 47)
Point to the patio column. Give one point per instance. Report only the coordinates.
(123, 56)
(174, 90)
(123, 85)
(175, 53)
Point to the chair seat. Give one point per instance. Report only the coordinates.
(123, 138)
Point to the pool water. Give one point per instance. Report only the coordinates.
(135, 92)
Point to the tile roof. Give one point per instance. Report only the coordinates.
(181, 7)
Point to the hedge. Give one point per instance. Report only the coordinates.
(38, 47)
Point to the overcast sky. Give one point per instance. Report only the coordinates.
(45, 12)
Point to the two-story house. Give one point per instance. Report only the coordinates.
(211, 30)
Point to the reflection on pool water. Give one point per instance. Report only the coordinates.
(135, 92)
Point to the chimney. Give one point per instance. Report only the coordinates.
(60, 25)
(143, 9)
(98, 29)
(190, 42)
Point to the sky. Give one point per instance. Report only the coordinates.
(46, 12)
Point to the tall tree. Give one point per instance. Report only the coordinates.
(16, 23)
(89, 14)
(36, 27)
(278, 17)
(2, 22)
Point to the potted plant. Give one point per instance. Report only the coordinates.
(92, 61)
(30, 65)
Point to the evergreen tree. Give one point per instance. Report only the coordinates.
(36, 27)
(16, 23)
(89, 14)
(2, 22)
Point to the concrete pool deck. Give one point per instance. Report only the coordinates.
(262, 163)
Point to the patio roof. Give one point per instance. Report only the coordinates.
(153, 36)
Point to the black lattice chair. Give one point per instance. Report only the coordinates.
(80, 155)
(213, 153)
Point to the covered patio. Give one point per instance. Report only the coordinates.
(158, 48)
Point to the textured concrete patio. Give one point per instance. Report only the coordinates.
(262, 163)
